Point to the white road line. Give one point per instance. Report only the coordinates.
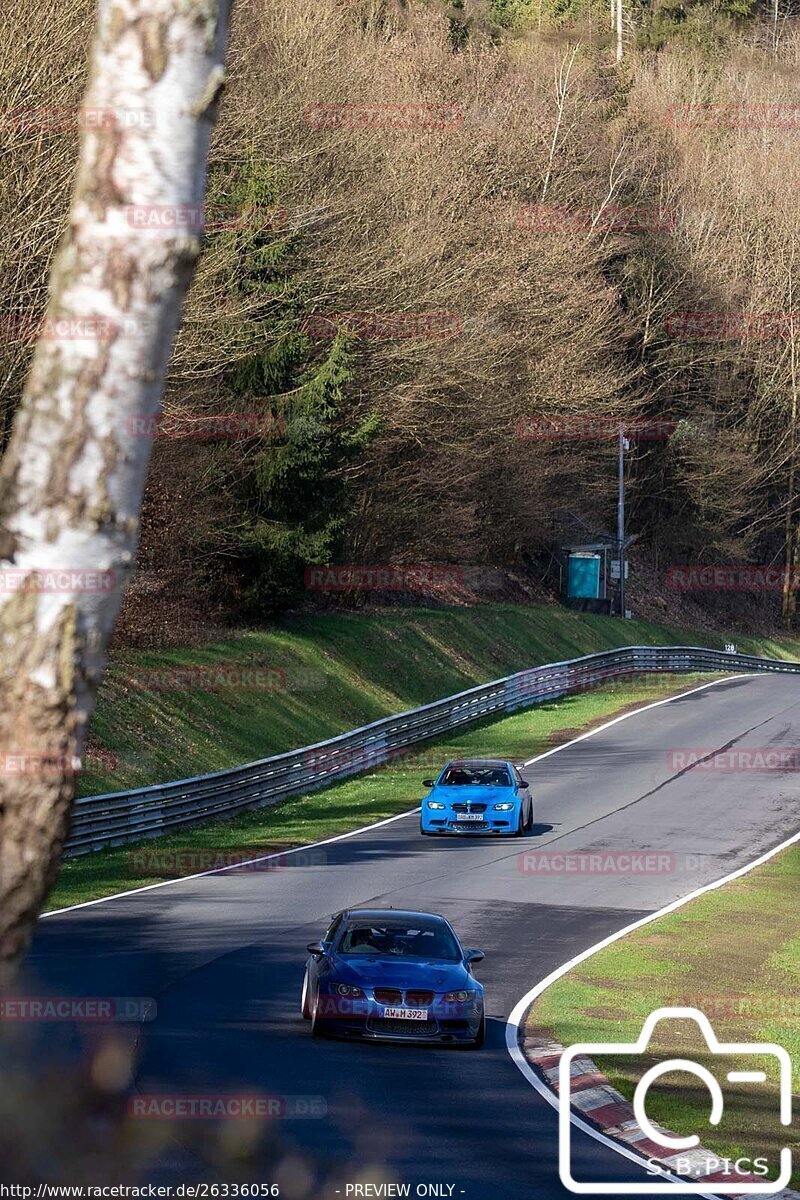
(635, 712)
(150, 887)
(517, 1014)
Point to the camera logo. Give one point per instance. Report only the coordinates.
(673, 1145)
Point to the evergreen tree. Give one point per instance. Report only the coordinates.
(293, 491)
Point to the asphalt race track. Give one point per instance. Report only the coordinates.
(223, 955)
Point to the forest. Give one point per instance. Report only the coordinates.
(450, 249)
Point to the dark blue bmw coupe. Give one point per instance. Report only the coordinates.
(383, 974)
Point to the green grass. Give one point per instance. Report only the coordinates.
(735, 955)
(357, 801)
(341, 671)
(345, 670)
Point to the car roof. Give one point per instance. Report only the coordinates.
(383, 913)
(478, 762)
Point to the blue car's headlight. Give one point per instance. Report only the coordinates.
(458, 997)
(347, 989)
(504, 807)
(434, 804)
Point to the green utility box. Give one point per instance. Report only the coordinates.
(583, 576)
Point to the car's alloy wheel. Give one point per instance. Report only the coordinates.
(480, 1037)
(305, 1007)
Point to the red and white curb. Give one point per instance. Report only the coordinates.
(594, 1099)
(605, 1115)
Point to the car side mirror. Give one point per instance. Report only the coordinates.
(429, 783)
(475, 956)
(523, 783)
(315, 948)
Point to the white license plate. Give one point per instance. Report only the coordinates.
(407, 1014)
(469, 816)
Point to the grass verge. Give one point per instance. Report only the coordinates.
(735, 955)
(364, 798)
(183, 712)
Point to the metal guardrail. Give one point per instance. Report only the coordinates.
(119, 817)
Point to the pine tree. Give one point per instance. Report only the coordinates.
(293, 491)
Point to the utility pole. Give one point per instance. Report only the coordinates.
(623, 446)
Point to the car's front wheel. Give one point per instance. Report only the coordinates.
(425, 832)
(318, 1027)
(480, 1036)
(305, 1002)
(529, 822)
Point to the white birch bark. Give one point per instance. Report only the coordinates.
(71, 481)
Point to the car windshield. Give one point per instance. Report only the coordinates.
(401, 939)
(466, 775)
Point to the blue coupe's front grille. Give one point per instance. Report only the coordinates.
(416, 999)
(469, 808)
(385, 995)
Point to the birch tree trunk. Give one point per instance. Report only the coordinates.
(72, 479)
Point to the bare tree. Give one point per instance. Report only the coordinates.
(791, 532)
(562, 80)
(72, 478)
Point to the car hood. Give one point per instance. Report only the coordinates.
(384, 971)
(473, 794)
